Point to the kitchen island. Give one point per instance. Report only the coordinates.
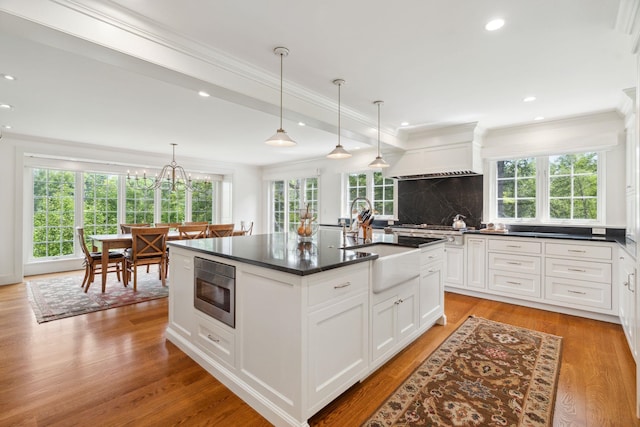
(307, 322)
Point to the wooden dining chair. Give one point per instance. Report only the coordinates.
(220, 230)
(196, 223)
(148, 247)
(171, 225)
(192, 231)
(93, 262)
(126, 228)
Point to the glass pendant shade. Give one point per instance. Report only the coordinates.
(280, 138)
(378, 162)
(339, 152)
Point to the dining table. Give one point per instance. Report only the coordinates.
(117, 241)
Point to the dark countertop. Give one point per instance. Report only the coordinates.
(551, 235)
(283, 251)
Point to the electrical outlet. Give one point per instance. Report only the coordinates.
(601, 231)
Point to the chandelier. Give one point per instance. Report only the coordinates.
(172, 178)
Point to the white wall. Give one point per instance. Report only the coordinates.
(246, 200)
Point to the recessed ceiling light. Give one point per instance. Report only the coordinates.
(302, 124)
(539, 118)
(494, 24)
(6, 126)
(8, 77)
(529, 99)
(6, 106)
(404, 124)
(203, 94)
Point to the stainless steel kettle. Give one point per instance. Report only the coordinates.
(458, 223)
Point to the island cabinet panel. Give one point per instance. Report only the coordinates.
(181, 293)
(431, 286)
(270, 325)
(454, 266)
(342, 325)
(216, 339)
(476, 248)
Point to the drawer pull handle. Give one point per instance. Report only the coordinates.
(579, 270)
(431, 270)
(513, 246)
(513, 283)
(400, 301)
(344, 285)
(576, 292)
(514, 263)
(431, 257)
(212, 338)
(576, 250)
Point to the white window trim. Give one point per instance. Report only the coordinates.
(542, 188)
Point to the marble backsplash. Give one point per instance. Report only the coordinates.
(438, 200)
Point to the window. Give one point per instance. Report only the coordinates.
(53, 213)
(100, 203)
(573, 186)
(374, 186)
(558, 188)
(517, 188)
(291, 197)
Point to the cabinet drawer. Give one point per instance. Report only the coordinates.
(578, 270)
(577, 292)
(515, 246)
(515, 283)
(515, 263)
(338, 283)
(579, 250)
(215, 340)
(427, 256)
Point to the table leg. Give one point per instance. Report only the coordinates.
(105, 264)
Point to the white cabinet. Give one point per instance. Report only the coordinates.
(431, 286)
(628, 312)
(579, 275)
(515, 267)
(394, 318)
(476, 248)
(454, 266)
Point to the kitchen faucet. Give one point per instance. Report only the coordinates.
(351, 213)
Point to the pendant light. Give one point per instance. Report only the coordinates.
(280, 138)
(379, 161)
(339, 152)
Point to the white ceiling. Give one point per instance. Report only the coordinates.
(432, 63)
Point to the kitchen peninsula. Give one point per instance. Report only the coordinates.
(309, 318)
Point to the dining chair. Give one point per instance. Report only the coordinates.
(148, 247)
(171, 225)
(126, 228)
(220, 230)
(93, 262)
(196, 223)
(192, 231)
(249, 229)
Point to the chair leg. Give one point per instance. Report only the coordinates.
(86, 275)
(118, 270)
(90, 278)
(135, 278)
(163, 274)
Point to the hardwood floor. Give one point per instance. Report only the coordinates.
(115, 368)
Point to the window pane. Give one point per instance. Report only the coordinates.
(506, 169)
(202, 201)
(100, 204)
(506, 188)
(516, 188)
(139, 206)
(54, 213)
(277, 191)
(526, 208)
(527, 187)
(506, 208)
(573, 186)
(172, 205)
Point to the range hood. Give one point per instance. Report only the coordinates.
(458, 159)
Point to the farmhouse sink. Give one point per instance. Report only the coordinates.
(394, 265)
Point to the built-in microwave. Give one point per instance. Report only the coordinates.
(215, 290)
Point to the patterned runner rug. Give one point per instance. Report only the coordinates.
(485, 373)
(60, 297)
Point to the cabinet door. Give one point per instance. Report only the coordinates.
(454, 266)
(476, 263)
(383, 327)
(343, 325)
(627, 304)
(181, 294)
(431, 294)
(407, 311)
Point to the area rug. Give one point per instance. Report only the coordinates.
(60, 297)
(485, 373)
